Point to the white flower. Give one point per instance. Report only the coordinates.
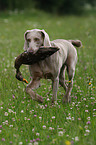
(6, 114)
(72, 118)
(87, 130)
(48, 99)
(10, 125)
(33, 130)
(84, 99)
(86, 127)
(37, 134)
(76, 138)
(9, 110)
(44, 127)
(25, 118)
(35, 143)
(22, 111)
(86, 110)
(40, 118)
(20, 142)
(88, 118)
(60, 133)
(53, 117)
(50, 128)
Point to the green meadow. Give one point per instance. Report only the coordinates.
(26, 122)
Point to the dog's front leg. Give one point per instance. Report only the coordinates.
(29, 89)
(55, 83)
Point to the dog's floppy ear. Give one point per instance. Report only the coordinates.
(46, 38)
(25, 37)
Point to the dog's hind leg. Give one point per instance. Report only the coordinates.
(62, 77)
(71, 72)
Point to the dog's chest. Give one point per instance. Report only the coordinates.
(41, 70)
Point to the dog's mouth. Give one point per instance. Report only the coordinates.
(32, 50)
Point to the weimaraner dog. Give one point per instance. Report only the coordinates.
(52, 67)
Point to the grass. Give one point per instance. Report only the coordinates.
(23, 121)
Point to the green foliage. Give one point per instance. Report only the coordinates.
(62, 6)
(23, 121)
(53, 6)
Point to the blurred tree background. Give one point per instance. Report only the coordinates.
(53, 6)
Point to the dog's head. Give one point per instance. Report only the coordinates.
(34, 39)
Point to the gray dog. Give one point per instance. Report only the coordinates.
(52, 67)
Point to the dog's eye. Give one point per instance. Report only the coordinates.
(29, 40)
(36, 39)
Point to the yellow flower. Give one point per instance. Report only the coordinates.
(89, 83)
(67, 142)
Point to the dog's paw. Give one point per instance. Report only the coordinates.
(66, 100)
(39, 99)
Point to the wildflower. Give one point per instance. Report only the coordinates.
(86, 127)
(22, 111)
(53, 117)
(0, 131)
(20, 143)
(3, 139)
(35, 115)
(75, 97)
(44, 127)
(37, 139)
(11, 142)
(88, 118)
(10, 125)
(13, 119)
(37, 134)
(13, 96)
(76, 138)
(25, 118)
(6, 114)
(86, 110)
(33, 130)
(46, 105)
(89, 83)
(50, 128)
(72, 142)
(34, 140)
(67, 142)
(87, 130)
(88, 122)
(0, 126)
(40, 118)
(35, 143)
(9, 110)
(60, 133)
(48, 99)
(84, 99)
(79, 118)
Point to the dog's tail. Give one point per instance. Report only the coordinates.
(76, 43)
